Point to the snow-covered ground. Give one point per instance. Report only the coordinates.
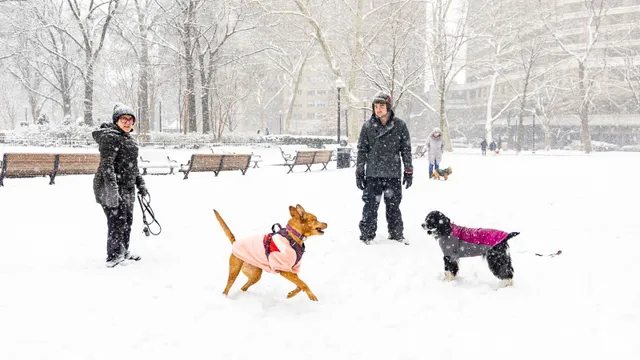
(385, 301)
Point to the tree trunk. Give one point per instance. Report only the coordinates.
(88, 93)
(66, 104)
(204, 97)
(489, 115)
(444, 124)
(190, 69)
(33, 104)
(584, 109)
(352, 117)
(520, 137)
(294, 94)
(143, 81)
(65, 85)
(547, 138)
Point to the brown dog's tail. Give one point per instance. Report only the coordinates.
(225, 227)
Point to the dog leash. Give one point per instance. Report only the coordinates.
(145, 206)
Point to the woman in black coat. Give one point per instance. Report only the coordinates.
(115, 181)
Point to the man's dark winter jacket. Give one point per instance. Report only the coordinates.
(380, 148)
(118, 172)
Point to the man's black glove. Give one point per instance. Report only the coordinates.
(361, 181)
(408, 179)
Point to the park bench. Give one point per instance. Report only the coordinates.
(242, 150)
(419, 151)
(288, 152)
(216, 163)
(310, 157)
(156, 160)
(22, 165)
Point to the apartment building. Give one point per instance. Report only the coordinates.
(612, 64)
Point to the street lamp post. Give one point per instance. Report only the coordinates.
(339, 85)
(346, 124)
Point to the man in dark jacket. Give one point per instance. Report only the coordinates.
(115, 181)
(384, 139)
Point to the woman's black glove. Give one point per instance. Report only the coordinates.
(361, 181)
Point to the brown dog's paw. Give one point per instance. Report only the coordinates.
(312, 297)
(293, 293)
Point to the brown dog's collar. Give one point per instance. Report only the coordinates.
(295, 236)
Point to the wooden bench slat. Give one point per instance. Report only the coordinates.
(310, 157)
(77, 164)
(216, 163)
(323, 156)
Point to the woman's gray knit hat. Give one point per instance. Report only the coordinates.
(121, 109)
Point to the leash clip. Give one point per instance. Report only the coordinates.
(273, 231)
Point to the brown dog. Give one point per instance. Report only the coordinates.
(442, 173)
(277, 252)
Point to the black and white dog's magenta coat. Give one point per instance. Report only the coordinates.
(459, 241)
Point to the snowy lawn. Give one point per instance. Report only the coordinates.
(384, 301)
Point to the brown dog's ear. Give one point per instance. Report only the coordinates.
(301, 210)
(296, 212)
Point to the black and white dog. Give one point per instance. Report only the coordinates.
(459, 241)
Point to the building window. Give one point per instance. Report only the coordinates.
(311, 92)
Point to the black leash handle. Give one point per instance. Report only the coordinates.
(145, 206)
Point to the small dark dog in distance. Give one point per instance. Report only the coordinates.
(458, 241)
(442, 173)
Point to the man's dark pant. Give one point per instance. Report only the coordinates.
(391, 188)
(119, 220)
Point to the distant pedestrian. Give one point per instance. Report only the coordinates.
(435, 148)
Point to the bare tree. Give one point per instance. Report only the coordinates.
(531, 48)
(28, 76)
(394, 63)
(93, 25)
(139, 35)
(343, 43)
(445, 47)
(595, 11)
(497, 38)
(9, 109)
(549, 102)
(290, 54)
(224, 22)
(227, 96)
